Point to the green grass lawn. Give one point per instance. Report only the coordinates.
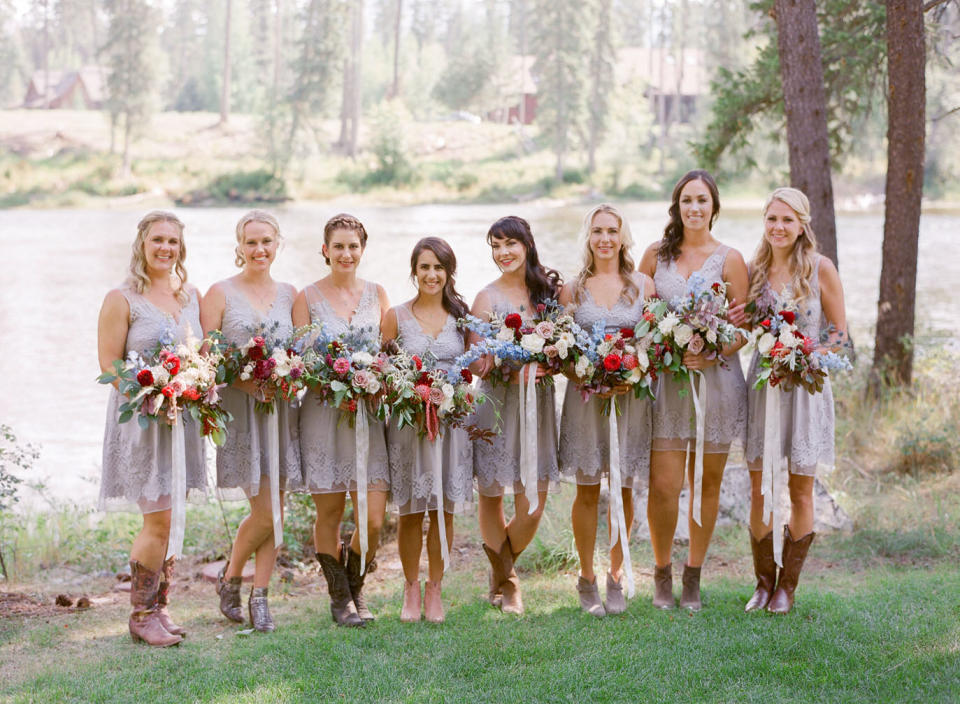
(883, 634)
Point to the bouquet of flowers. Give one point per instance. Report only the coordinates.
(169, 380)
(549, 340)
(346, 371)
(269, 362)
(788, 358)
(695, 322)
(424, 396)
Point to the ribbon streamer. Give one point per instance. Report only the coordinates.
(178, 490)
(529, 473)
(437, 450)
(772, 462)
(700, 409)
(618, 522)
(361, 511)
(273, 432)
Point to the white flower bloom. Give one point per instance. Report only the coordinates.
(712, 337)
(765, 343)
(446, 405)
(532, 343)
(505, 334)
(160, 375)
(643, 361)
(583, 368)
(788, 338)
(668, 323)
(682, 334)
(563, 347)
(244, 376)
(447, 390)
(364, 359)
(372, 386)
(635, 375)
(283, 362)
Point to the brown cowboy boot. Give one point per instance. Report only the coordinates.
(766, 570)
(229, 591)
(163, 600)
(794, 553)
(144, 624)
(663, 587)
(690, 594)
(497, 577)
(342, 608)
(351, 561)
(259, 611)
(501, 563)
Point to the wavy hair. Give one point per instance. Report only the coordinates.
(542, 282)
(452, 301)
(801, 258)
(343, 221)
(255, 215)
(137, 277)
(625, 265)
(673, 233)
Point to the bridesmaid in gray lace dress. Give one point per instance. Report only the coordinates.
(687, 247)
(343, 303)
(606, 289)
(523, 283)
(427, 327)
(788, 270)
(154, 304)
(252, 303)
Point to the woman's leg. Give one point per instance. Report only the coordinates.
(493, 525)
(255, 535)
(150, 546)
(666, 481)
(326, 528)
(616, 552)
(376, 511)
(801, 505)
(434, 553)
(758, 528)
(700, 534)
(523, 526)
(410, 544)
(583, 517)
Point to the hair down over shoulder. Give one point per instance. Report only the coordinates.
(137, 277)
(625, 265)
(452, 301)
(542, 282)
(673, 233)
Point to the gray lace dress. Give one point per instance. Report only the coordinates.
(243, 461)
(411, 457)
(496, 464)
(806, 420)
(328, 447)
(137, 466)
(585, 430)
(674, 425)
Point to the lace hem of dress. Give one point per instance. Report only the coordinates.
(143, 504)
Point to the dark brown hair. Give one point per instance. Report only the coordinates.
(343, 221)
(542, 283)
(673, 233)
(453, 302)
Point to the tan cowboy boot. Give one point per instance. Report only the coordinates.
(144, 624)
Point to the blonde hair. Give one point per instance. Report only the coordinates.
(138, 278)
(802, 257)
(626, 265)
(255, 215)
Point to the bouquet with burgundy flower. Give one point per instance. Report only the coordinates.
(788, 358)
(270, 363)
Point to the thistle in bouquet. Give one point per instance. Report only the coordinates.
(789, 359)
(169, 380)
(274, 365)
(422, 394)
(548, 340)
(617, 360)
(347, 371)
(695, 322)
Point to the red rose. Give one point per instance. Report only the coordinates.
(626, 333)
(259, 341)
(255, 353)
(765, 323)
(466, 375)
(167, 391)
(418, 362)
(611, 362)
(145, 377)
(541, 307)
(191, 394)
(630, 362)
(788, 316)
(513, 321)
(172, 364)
(717, 288)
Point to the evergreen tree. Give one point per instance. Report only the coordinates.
(602, 60)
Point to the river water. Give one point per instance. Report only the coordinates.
(58, 264)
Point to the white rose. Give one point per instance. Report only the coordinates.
(682, 334)
(372, 386)
(583, 367)
(712, 337)
(532, 343)
(446, 405)
(447, 390)
(668, 323)
(364, 359)
(562, 348)
(635, 375)
(765, 343)
(505, 334)
(643, 361)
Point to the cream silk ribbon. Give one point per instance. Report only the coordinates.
(529, 462)
(618, 523)
(178, 490)
(772, 462)
(700, 409)
(437, 450)
(273, 431)
(362, 429)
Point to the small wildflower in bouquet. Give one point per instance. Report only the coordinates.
(421, 394)
(789, 359)
(695, 322)
(549, 340)
(270, 363)
(169, 380)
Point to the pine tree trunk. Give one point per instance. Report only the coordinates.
(805, 105)
(225, 88)
(906, 122)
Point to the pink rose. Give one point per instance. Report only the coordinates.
(551, 351)
(696, 344)
(436, 396)
(545, 329)
(361, 379)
